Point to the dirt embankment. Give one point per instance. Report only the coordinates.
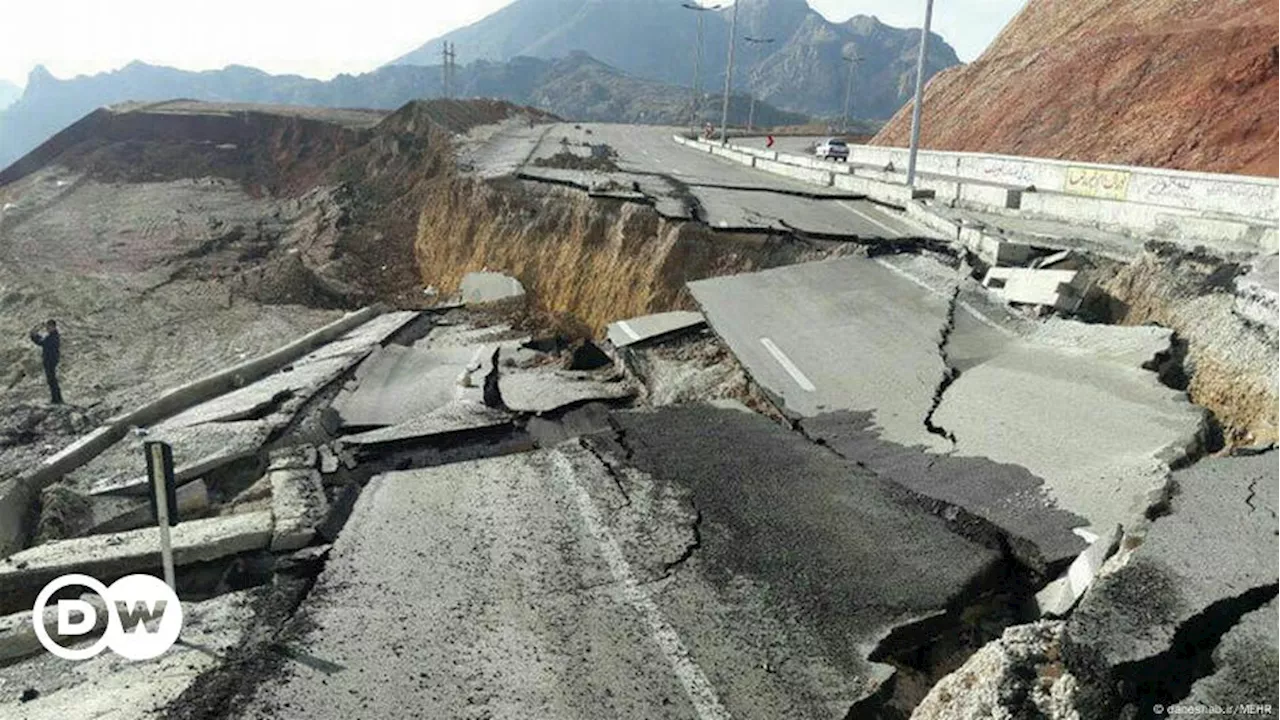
(595, 260)
(1230, 362)
(1166, 83)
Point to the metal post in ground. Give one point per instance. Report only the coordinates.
(751, 114)
(164, 502)
(697, 63)
(915, 110)
(728, 78)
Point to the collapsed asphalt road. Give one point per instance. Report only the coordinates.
(728, 195)
(698, 563)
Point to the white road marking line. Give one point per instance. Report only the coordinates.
(627, 329)
(868, 218)
(787, 365)
(977, 315)
(700, 691)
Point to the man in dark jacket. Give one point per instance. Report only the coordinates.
(51, 352)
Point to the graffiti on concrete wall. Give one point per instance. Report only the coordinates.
(1243, 197)
(1010, 172)
(1096, 182)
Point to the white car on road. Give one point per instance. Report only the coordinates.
(832, 149)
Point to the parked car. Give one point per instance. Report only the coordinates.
(832, 149)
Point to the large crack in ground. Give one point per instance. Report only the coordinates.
(692, 547)
(950, 373)
(1169, 676)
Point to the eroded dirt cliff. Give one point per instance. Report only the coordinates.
(595, 260)
(1166, 83)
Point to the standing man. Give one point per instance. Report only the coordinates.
(51, 353)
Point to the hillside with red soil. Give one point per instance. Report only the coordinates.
(1181, 84)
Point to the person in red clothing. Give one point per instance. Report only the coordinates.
(768, 142)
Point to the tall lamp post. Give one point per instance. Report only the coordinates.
(728, 78)
(848, 90)
(915, 110)
(751, 115)
(697, 60)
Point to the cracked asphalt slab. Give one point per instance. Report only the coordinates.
(825, 543)
(1153, 624)
(670, 576)
(807, 334)
(911, 343)
(731, 195)
(478, 589)
(996, 504)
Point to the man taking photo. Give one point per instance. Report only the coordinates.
(51, 352)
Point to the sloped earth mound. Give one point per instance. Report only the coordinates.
(1163, 83)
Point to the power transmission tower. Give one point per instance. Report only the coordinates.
(449, 68)
(848, 89)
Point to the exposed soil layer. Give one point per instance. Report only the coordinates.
(597, 260)
(1164, 83)
(1230, 362)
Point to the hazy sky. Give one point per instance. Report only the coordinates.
(321, 38)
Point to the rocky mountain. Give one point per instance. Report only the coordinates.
(1165, 83)
(576, 87)
(9, 93)
(800, 70)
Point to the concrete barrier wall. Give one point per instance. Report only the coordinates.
(1126, 200)
(16, 495)
(898, 196)
(988, 196)
(803, 174)
(1238, 195)
(1242, 196)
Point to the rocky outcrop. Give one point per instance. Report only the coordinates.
(1163, 83)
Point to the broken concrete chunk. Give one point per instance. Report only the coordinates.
(487, 287)
(328, 460)
(540, 392)
(115, 555)
(299, 457)
(396, 383)
(18, 635)
(110, 514)
(653, 327)
(1057, 599)
(299, 505)
(348, 459)
(1053, 288)
(1019, 675)
(455, 417)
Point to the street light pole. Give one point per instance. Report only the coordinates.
(751, 115)
(848, 90)
(915, 110)
(728, 78)
(697, 61)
